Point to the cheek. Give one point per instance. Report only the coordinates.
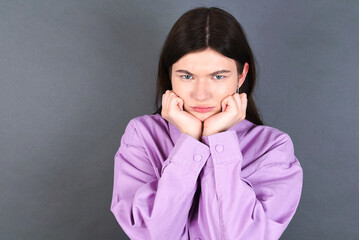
(222, 93)
(176, 86)
(180, 92)
(179, 89)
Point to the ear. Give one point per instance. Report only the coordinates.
(243, 75)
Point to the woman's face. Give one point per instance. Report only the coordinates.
(204, 79)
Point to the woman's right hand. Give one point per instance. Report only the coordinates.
(172, 111)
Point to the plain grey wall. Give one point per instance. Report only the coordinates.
(73, 73)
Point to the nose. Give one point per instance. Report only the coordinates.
(201, 90)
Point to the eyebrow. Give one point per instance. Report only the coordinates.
(214, 73)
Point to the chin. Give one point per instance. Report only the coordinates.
(203, 116)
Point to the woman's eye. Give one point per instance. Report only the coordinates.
(184, 76)
(218, 77)
(221, 76)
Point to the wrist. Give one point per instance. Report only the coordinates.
(207, 132)
(195, 136)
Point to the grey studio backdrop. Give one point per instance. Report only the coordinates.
(73, 73)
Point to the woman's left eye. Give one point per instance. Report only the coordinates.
(184, 76)
(219, 76)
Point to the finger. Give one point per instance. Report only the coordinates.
(224, 106)
(228, 103)
(171, 96)
(179, 103)
(224, 103)
(244, 101)
(179, 100)
(166, 99)
(164, 106)
(175, 101)
(238, 100)
(163, 100)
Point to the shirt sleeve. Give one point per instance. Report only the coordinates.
(150, 207)
(261, 205)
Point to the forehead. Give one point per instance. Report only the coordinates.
(206, 60)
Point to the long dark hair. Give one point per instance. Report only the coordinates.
(202, 28)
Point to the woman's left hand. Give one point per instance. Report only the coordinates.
(233, 111)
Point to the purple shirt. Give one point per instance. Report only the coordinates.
(244, 183)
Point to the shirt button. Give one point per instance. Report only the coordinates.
(219, 148)
(197, 157)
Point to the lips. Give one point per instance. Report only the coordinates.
(202, 109)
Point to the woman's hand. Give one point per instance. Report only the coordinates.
(233, 111)
(172, 111)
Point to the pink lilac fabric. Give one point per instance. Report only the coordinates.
(244, 183)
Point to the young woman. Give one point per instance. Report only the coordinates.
(204, 166)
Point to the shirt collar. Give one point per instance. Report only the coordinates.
(241, 128)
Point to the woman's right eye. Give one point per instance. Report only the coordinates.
(185, 76)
